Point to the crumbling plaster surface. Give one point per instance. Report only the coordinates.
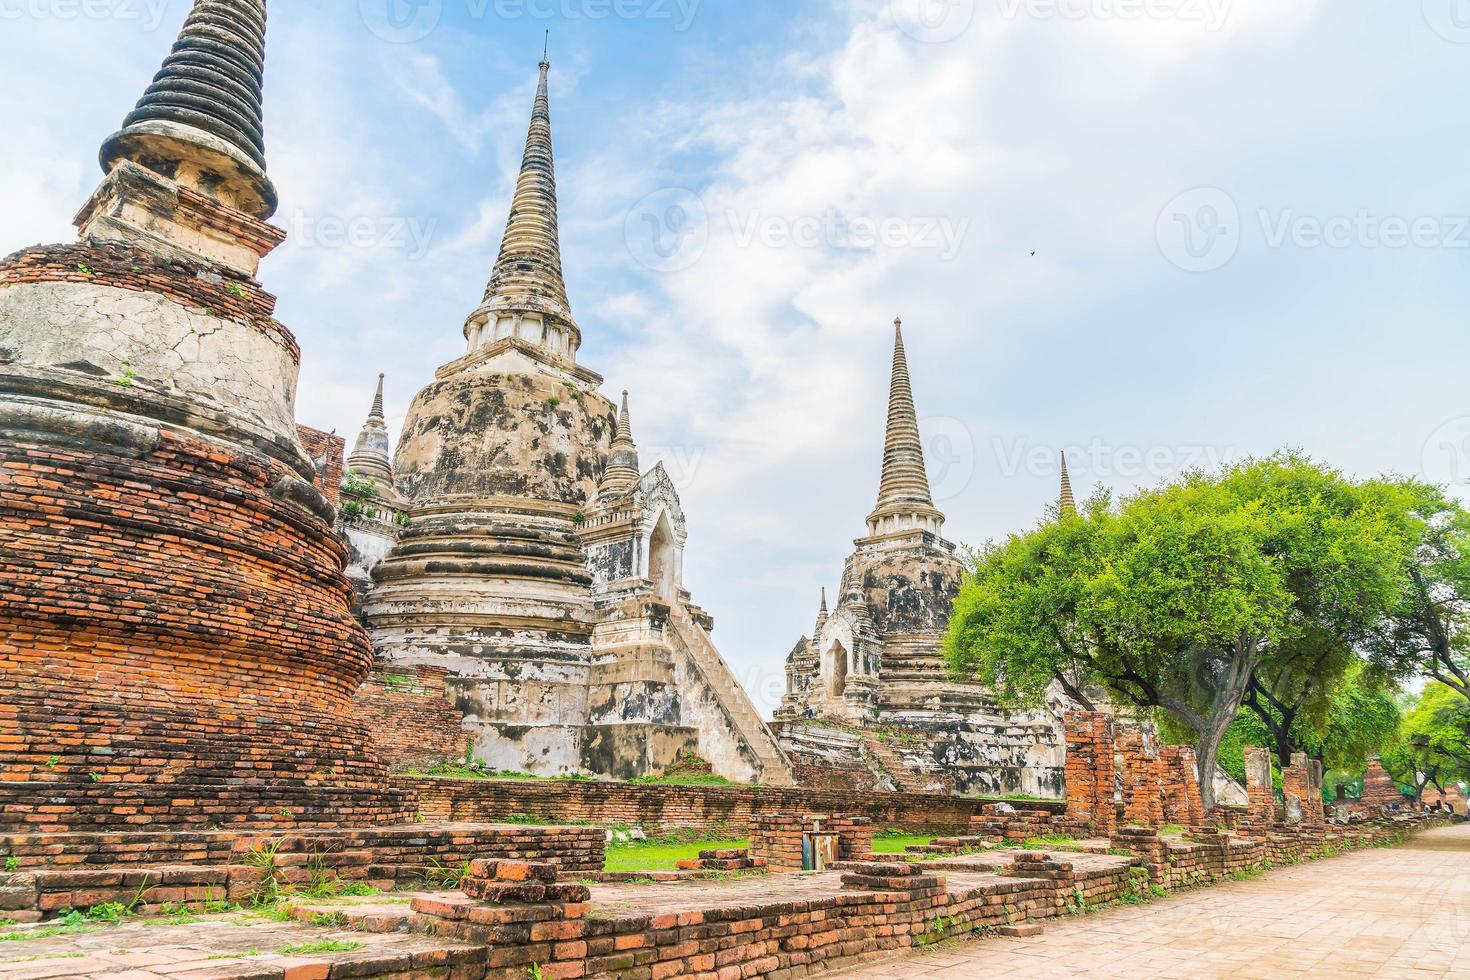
(150, 342)
(483, 433)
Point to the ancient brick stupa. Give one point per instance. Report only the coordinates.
(1380, 790)
(537, 565)
(175, 642)
(873, 660)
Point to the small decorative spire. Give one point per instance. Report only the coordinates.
(622, 464)
(904, 492)
(527, 280)
(370, 455)
(821, 617)
(1068, 505)
(377, 409)
(200, 122)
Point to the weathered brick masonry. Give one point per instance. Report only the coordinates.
(410, 720)
(79, 871)
(175, 643)
(326, 452)
(1090, 773)
(660, 808)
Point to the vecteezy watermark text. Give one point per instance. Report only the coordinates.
(150, 12)
(1210, 14)
(412, 236)
(1103, 460)
(1203, 229)
(669, 230)
(835, 230)
(407, 21)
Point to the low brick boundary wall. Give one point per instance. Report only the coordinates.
(80, 871)
(658, 809)
(882, 909)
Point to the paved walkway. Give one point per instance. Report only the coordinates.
(1400, 912)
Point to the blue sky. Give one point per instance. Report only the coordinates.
(1250, 220)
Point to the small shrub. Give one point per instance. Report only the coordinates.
(443, 876)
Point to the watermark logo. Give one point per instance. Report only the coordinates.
(949, 456)
(681, 463)
(933, 21)
(401, 21)
(1450, 19)
(149, 12)
(1199, 231)
(668, 230)
(1446, 456)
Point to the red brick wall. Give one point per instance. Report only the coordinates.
(658, 808)
(1182, 802)
(1379, 788)
(320, 444)
(411, 721)
(1259, 787)
(175, 646)
(1138, 761)
(1090, 772)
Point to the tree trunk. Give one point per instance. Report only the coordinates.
(1285, 747)
(1206, 754)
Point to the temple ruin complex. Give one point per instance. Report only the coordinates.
(228, 640)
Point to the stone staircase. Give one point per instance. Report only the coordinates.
(892, 765)
(775, 767)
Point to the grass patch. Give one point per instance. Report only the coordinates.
(29, 935)
(690, 770)
(1052, 843)
(691, 779)
(899, 843)
(474, 770)
(323, 946)
(663, 855)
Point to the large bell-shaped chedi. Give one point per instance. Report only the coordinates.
(176, 646)
(527, 568)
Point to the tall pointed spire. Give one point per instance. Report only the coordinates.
(821, 616)
(622, 465)
(527, 296)
(200, 122)
(904, 500)
(370, 456)
(1068, 505)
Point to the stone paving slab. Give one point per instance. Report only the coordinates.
(1395, 913)
(230, 947)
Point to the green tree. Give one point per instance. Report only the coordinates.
(1176, 597)
(1428, 632)
(1434, 745)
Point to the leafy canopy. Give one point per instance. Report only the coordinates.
(1177, 597)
